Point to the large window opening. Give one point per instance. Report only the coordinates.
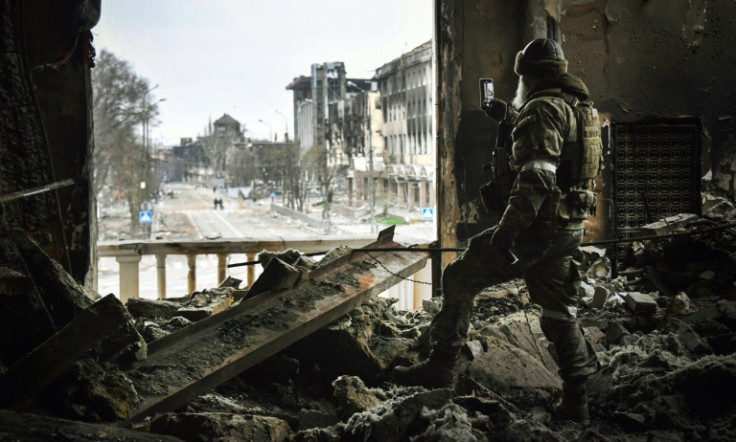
(234, 120)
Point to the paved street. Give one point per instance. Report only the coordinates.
(190, 215)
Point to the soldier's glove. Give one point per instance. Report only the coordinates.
(496, 109)
(503, 238)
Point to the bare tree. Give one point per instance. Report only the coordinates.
(122, 104)
(315, 161)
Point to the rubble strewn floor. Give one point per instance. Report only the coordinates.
(663, 329)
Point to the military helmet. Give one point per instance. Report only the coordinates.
(542, 57)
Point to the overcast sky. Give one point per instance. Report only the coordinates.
(210, 57)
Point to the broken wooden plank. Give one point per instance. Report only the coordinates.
(25, 320)
(52, 359)
(13, 282)
(188, 363)
(64, 296)
(34, 428)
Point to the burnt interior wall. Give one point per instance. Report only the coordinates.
(58, 51)
(666, 59)
(474, 39)
(640, 59)
(46, 126)
(62, 95)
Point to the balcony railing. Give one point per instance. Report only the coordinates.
(128, 255)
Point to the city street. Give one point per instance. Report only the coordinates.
(190, 215)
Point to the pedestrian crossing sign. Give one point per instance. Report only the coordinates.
(145, 217)
(428, 213)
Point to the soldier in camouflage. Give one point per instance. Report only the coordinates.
(543, 122)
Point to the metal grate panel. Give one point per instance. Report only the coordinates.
(655, 172)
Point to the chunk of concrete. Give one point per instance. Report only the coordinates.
(474, 348)
(150, 309)
(586, 292)
(679, 304)
(641, 303)
(594, 336)
(601, 294)
(615, 332)
(506, 368)
(221, 426)
(352, 395)
(277, 275)
(667, 225)
(600, 269)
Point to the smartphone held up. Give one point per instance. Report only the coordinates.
(486, 92)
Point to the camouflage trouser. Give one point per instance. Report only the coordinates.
(550, 275)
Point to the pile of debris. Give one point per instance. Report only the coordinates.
(306, 354)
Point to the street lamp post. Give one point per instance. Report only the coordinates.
(146, 118)
(369, 144)
(145, 129)
(270, 131)
(286, 126)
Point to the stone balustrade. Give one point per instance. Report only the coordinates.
(128, 254)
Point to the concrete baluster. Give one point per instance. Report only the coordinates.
(422, 291)
(161, 275)
(128, 276)
(192, 276)
(221, 267)
(251, 272)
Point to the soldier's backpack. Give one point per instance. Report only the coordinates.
(581, 162)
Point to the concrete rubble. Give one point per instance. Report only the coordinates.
(660, 314)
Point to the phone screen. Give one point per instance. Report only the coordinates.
(486, 91)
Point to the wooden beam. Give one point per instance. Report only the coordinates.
(52, 359)
(64, 296)
(35, 428)
(202, 356)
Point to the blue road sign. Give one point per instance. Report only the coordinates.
(428, 213)
(145, 217)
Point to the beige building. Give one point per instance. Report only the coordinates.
(406, 87)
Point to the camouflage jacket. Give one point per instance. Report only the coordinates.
(542, 126)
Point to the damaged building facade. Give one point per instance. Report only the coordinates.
(406, 93)
(304, 354)
(378, 133)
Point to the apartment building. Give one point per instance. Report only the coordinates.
(406, 88)
(380, 128)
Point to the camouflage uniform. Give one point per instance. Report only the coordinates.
(543, 243)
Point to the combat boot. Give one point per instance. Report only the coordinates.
(438, 371)
(574, 406)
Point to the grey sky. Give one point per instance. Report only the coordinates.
(211, 57)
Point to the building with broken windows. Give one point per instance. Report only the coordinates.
(313, 95)
(406, 90)
(188, 162)
(215, 153)
(381, 128)
(334, 112)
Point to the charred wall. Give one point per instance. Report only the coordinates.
(643, 61)
(474, 39)
(46, 125)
